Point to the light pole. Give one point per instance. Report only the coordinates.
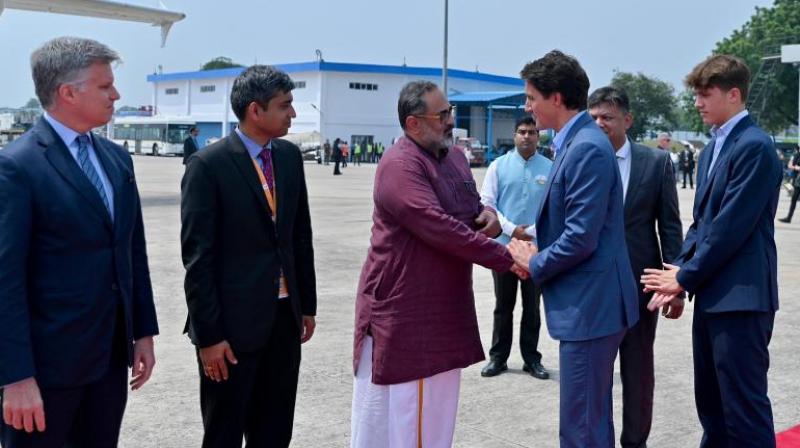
(444, 62)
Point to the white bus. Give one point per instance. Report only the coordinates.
(151, 135)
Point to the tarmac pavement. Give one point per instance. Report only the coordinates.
(511, 410)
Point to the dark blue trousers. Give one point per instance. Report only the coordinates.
(587, 375)
(731, 361)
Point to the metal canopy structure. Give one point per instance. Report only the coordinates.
(489, 101)
(101, 9)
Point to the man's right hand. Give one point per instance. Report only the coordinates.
(519, 233)
(23, 407)
(214, 360)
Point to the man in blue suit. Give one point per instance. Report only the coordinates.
(729, 262)
(581, 263)
(76, 304)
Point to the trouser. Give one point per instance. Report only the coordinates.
(420, 413)
(505, 291)
(257, 401)
(688, 173)
(795, 196)
(731, 360)
(586, 418)
(638, 380)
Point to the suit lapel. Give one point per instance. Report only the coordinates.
(638, 165)
(281, 170)
(117, 175)
(581, 122)
(722, 158)
(60, 158)
(244, 163)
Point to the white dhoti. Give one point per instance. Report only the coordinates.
(416, 414)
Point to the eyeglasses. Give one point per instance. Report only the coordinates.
(524, 132)
(441, 115)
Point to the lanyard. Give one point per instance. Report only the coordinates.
(270, 194)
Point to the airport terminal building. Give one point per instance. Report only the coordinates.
(344, 100)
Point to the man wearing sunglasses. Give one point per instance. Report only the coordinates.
(416, 326)
(514, 186)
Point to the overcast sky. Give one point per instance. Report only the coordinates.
(664, 39)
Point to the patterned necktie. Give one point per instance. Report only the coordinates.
(266, 164)
(89, 170)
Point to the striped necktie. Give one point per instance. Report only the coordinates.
(88, 169)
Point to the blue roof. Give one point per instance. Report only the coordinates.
(488, 97)
(342, 67)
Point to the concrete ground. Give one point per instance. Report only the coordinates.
(511, 410)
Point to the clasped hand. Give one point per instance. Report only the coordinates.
(521, 252)
(666, 290)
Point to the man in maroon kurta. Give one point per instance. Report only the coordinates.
(415, 307)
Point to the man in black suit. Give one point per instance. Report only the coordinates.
(76, 304)
(653, 233)
(250, 281)
(687, 166)
(190, 145)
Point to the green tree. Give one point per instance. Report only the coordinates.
(218, 63)
(688, 117)
(652, 102)
(32, 103)
(761, 36)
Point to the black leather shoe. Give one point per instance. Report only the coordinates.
(537, 370)
(494, 368)
(786, 220)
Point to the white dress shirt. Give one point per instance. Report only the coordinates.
(721, 133)
(624, 163)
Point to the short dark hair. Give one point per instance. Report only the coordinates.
(610, 95)
(411, 101)
(558, 72)
(193, 128)
(258, 83)
(525, 119)
(723, 71)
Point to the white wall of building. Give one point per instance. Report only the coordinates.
(344, 111)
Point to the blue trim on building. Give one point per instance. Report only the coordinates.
(342, 67)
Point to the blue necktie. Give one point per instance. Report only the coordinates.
(89, 170)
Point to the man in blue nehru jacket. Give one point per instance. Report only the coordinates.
(514, 186)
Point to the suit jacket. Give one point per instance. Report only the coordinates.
(687, 160)
(729, 260)
(653, 229)
(67, 268)
(233, 252)
(189, 148)
(583, 268)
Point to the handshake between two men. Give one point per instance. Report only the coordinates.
(521, 248)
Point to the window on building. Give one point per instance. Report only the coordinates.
(299, 84)
(363, 86)
(208, 89)
(171, 91)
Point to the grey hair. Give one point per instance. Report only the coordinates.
(411, 102)
(663, 135)
(61, 61)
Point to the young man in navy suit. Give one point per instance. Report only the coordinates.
(581, 263)
(729, 262)
(76, 304)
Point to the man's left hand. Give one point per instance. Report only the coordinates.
(309, 324)
(674, 309)
(144, 359)
(664, 281)
(490, 225)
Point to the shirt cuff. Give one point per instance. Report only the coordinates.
(508, 227)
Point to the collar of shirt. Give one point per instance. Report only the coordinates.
(561, 135)
(252, 147)
(66, 134)
(625, 151)
(518, 157)
(721, 132)
(442, 154)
